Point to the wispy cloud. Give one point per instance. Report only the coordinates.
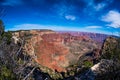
(93, 6)
(70, 17)
(11, 2)
(28, 26)
(112, 18)
(99, 6)
(65, 10)
(93, 27)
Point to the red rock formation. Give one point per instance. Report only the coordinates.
(52, 55)
(55, 50)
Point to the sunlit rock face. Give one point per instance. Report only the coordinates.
(51, 52)
(56, 50)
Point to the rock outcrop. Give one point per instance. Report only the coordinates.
(111, 48)
(105, 69)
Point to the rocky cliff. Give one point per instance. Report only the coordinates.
(108, 68)
(49, 52)
(55, 51)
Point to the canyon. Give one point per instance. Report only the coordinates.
(62, 55)
(58, 50)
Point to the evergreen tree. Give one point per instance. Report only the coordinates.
(1, 27)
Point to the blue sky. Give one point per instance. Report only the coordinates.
(101, 16)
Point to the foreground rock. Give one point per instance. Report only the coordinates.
(104, 70)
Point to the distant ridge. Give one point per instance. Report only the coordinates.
(99, 37)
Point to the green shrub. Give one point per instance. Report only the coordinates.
(6, 74)
(8, 36)
(88, 64)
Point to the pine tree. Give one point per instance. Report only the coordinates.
(1, 27)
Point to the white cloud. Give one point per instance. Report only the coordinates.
(27, 26)
(70, 17)
(93, 27)
(112, 18)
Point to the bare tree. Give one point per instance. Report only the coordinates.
(29, 73)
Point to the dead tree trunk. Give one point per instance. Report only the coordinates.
(29, 73)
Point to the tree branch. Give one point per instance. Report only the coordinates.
(29, 73)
